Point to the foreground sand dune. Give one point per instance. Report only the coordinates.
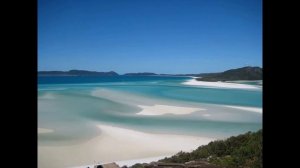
(115, 144)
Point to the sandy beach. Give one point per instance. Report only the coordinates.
(251, 109)
(194, 82)
(115, 144)
(129, 162)
(166, 109)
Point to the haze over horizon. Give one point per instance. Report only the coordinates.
(159, 36)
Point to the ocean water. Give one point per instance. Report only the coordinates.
(73, 106)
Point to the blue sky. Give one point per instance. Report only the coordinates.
(161, 36)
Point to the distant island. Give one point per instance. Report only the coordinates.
(245, 73)
(90, 73)
(140, 74)
(76, 73)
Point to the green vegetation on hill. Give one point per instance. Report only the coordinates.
(245, 73)
(243, 151)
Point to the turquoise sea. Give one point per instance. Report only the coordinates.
(73, 106)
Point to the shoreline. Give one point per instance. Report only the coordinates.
(116, 143)
(128, 163)
(194, 82)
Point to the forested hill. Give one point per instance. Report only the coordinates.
(242, 151)
(239, 151)
(245, 73)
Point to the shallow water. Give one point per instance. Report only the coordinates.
(73, 106)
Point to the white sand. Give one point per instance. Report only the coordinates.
(165, 109)
(129, 162)
(194, 77)
(252, 109)
(44, 130)
(142, 160)
(115, 144)
(206, 115)
(194, 82)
